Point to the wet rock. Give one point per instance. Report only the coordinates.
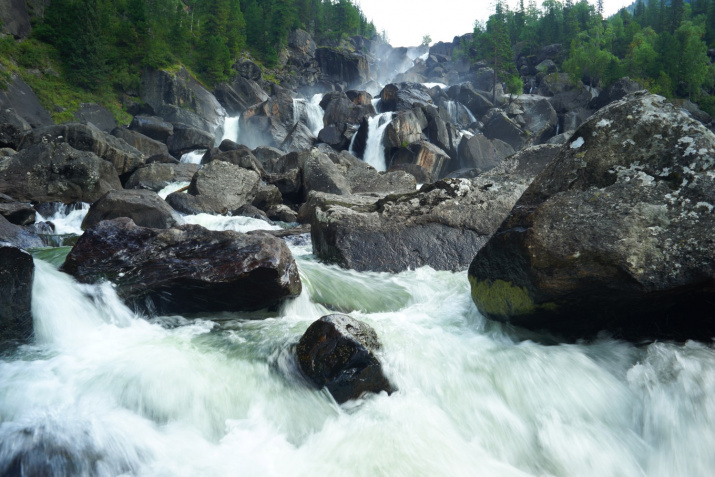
(421, 175)
(249, 70)
(270, 122)
(540, 121)
(18, 213)
(343, 66)
(479, 152)
(16, 276)
(475, 101)
(14, 19)
(340, 111)
(187, 138)
(20, 97)
(12, 128)
(439, 225)
(322, 175)
(179, 98)
(227, 185)
(424, 154)
(405, 128)
(338, 352)
(96, 114)
(185, 269)
(157, 175)
(239, 95)
(359, 98)
(151, 126)
(18, 236)
(403, 96)
(573, 119)
(86, 137)
(146, 145)
(364, 178)
(56, 173)
(497, 125)
(144, 207)
(615, 234)
(241, 156)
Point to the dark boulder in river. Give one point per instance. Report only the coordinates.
(616, 233)
(337, 352)
(442, 225)
(144, 207)
(185, 269)
(16, 273)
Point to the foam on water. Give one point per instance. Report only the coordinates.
(374, 147)
(67, 219)
(193, 157)
(222, 222)
(105, 392)
(173, 187)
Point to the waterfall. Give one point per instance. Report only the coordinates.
(309, 112)
(454, 108)
(193, 157)
(471, 117)
(67, 219)
(374, 147)
(231, 128)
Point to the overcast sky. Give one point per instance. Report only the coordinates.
(407, 21)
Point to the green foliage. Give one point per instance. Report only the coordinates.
(426, 40)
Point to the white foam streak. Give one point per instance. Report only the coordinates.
(374, 147)
(193, 157)
(231, 128)
(67, 220)
(222, 222)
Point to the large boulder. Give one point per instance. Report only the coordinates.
(185, 269)
(403, 96)
(20, 97)
(86, 137)
(479, 152)
(240, 94)
(616, 233)
(144, 144)
(270, 122)
(187, 138)
(16, 274)
(405, 128)
(158, 175)
(12, 128)
(18, 236)
(144, 207)
(498, 125)
(475, 101)
(151, 126)
(440, 225)
(322, 175)
(338, 352)
(179, 98)
(217, 188)
(96, 114)
(49, 172)
(424, 154)
(18, 213)
(343, 66)
(540, 121)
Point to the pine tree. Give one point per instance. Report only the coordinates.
(495, 48)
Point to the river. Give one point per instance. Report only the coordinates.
(105, 392)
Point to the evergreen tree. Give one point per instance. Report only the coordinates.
(495, 48)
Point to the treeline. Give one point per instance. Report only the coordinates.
(661, 44)
(109, 41)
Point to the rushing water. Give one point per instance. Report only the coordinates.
(103, 391)
(309, 112)
(193, 157)
(231, 128)
(374, 146)
(67, 219)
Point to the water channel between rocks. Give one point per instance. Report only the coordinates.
(106, 392)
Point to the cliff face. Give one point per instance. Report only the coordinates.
(14, 19)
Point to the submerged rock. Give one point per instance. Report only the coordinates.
(616, 233)
(16, 275)
(338, 352)
(185, 269)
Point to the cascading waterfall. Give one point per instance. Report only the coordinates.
(309, 112)
(193, 157)
(231, 128)
(374, 147)
(454, 108)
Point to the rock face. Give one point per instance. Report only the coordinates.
(144, 207)
(146, 145)
(12, 128)
(56, 173)
(14, 19)
(185, 269)
(342, 66)
(424, 154)
(440, 225)
(616, 233)
(478, 152)
(239, 95)
(157, 175)
(153, 127)
(86, 137)
(97, 115)
(179, 98)
(20, 97)
(337, 352)
(18, 236)
(16, 274)
(187, 138)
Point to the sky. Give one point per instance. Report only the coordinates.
(406, 22)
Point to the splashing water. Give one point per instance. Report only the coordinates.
(67, 219)
(309, 112)
(231, 128)
(374, 147)
(104, 392)
(222, 222)
(193, 157)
